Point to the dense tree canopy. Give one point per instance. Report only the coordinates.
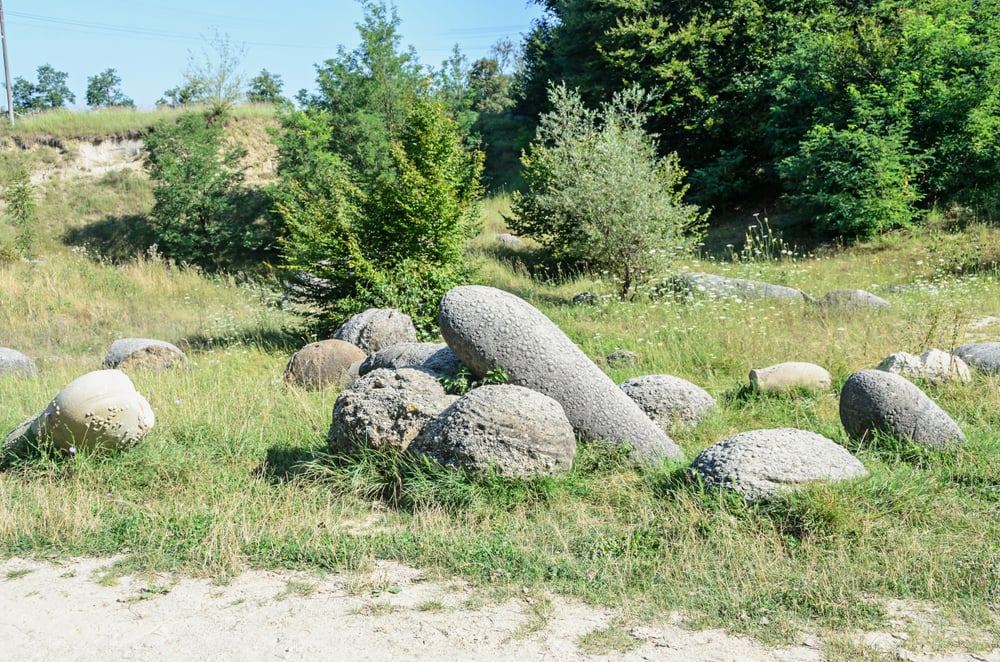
(104, 89)
(49, 92)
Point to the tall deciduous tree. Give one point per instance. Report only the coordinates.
(104, 89)
(51, 91)
(265, 87)
(213, 76)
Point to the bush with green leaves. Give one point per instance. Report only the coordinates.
(598, 195)
(20, 200)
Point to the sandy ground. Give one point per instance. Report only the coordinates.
(64, 612)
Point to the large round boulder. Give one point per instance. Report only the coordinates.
(873, 400)
(983, 356)
(144, 353)
(933, 365)
(489, 328)
(512, 430)
(385, 409)
(432, 357)
(322, 364)
(763, 464)
(377, 328)
(790, 375)
(13, 362)
(671, 402)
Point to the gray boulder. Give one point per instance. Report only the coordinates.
(852, 300)
(983, 356)
(507, 239)
(385, 409)
(13, 362)
(145, 354)
(790, 375)
(762, 464)
(488, 328)
(516, 432)
(433, 357)
(876, 400)
(722, 286)
(933, 365)
(377, 328)
(321, 364)
(621, 358)
(670, 401)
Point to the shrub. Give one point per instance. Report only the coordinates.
(21, 211)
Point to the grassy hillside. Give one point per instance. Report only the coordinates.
(235, 472)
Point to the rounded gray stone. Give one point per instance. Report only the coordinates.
(933, 365)
(763, 464)
(508, 239)
(671, 402)
(385, 409)
(512, 430)
(875, 400)
(434, 357)
(790, 375)
(852, 300)
(722, 286)
(144, 353)
(983, 356)
(377, 328)
(13, 362)
(322, 364)
(489, 328)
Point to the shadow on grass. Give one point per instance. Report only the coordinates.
(283, 464)
(117, 239)
(281, 341)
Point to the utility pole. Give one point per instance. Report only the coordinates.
(6, 67)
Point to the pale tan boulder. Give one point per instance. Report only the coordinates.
(790, 375)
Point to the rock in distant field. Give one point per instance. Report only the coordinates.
(983, 356)
(621, 358)
(13, 362)
(433, 357)
(517, 432)
(762, 464)
(99, 411)
(852, 300)
(322, 364)
(144, 353)
(933, 365)
(735, 287)
(385, 409)
(584, 299)
(670, 401)
(507, 239)
(377, 328)
(790, 375)
(876, 400)
(488, 328)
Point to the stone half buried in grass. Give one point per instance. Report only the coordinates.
(790, 375)
(144, 354)
(13, 362)
(322, 364)
(762, 464)
(983, 356)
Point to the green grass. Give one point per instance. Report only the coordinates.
(235, 474)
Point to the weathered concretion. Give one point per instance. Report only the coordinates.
(983, 356)
(933, 365)
(13, 362)
(790, 375)
(324, 363)
(144, 353)
(489, 328)
(763, 464)
(508, 239)
(670, 401)
(696, 282)
(512, 430)
(434, 357)
(852, 300)
(385, 409)
(875, 400)
(377, 328)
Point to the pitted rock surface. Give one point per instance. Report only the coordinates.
(876, 400)
(983, 356)
(852, 300)
(489, 328)
(790, 375)
(377, 328)
(763, 464)
(722, 286)
(670, 401)
(385, 409)
(621, 358)
(516, 432)
(434, 357)
(13, 362)
(933, 365)
(321, 364)
(144, 353)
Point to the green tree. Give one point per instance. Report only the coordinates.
(265, 87)
(20, 200)
(598, 195)
(104, 89)
(181, 95)
(214, 77)
(49, 92)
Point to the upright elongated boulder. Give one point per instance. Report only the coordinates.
(489, 328)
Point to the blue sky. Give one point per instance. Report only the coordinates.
(148, 43)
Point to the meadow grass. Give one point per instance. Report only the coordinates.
(236, 474)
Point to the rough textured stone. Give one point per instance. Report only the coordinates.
(852, 300)
(99, 411)
(516, 432)
(144, 353)
(762, 464)
(584, 299)
(933, 365)
(670, 401)
(736, 287)
(621, 358)
(875, 400)
(322, 364)
(507, 239)
(385, 409)
(790, 375)
(488, 328)
(13, 362)
(433, 357)
(377, 328)
(983, 356)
